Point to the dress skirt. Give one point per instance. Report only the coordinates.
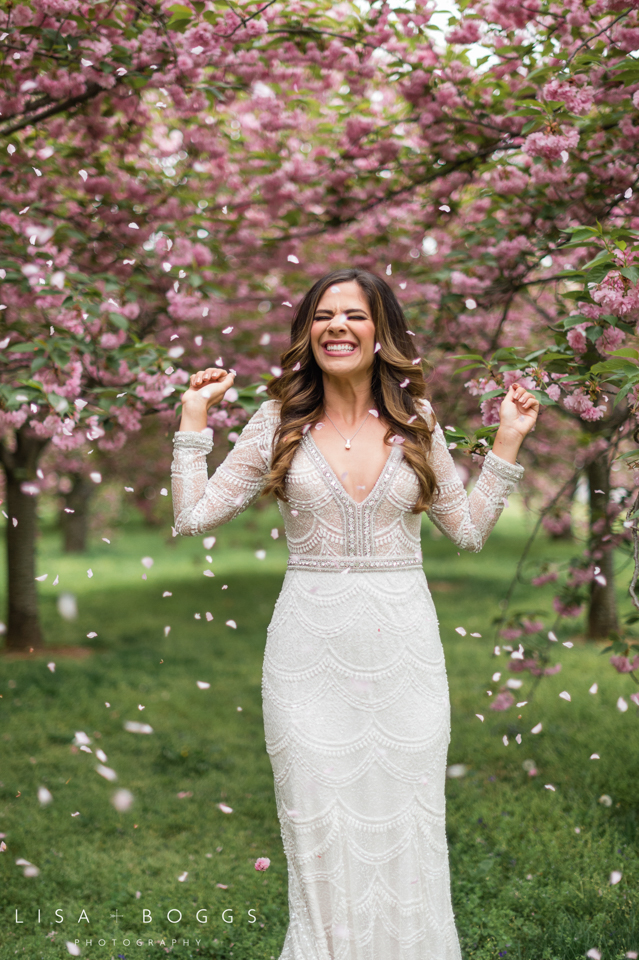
(357, 725)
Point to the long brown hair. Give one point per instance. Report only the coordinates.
(301, 392)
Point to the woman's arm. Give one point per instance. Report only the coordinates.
(201, 503)
(465, 519)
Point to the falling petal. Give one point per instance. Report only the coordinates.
(208, 542)
(106, 772)
(44, 796)
(622, 704)
(518, 738)
(183, 876)
(536, 729)
(134, 727)
(231, 623)
(564, 695)
(51, 666)
(260, 554)
(222, 886)
(89, 573)
(605, 800)
(275, 533)
(167, 631)
(73, 948)
(227, 330)
(568, 644)
(378, 347)
(480, 717)
(147, 562)
(461, 631)
(224, 808)
(122, 800)
(296, 367)
(374, 413)
(593, 688)
(456, 770)
(505, 740)
(405, 382)
(475, 634)
(92, 635)
(292, 258)
(595, 756)
(101, 755)
(208, 573)
(167, 593)
(203, 685)
(551, 636)
(43, 577)
(549, 786)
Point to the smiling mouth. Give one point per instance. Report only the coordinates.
(339, 348)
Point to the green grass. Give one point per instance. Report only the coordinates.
(525, 884)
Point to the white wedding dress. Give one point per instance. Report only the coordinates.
(354, 687)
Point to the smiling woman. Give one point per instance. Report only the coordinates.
(354, 686)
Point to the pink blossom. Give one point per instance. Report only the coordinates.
(466, 31)
(577, 339)
(510, 633)
(532, 626)
(577, 99)
(553, 391)
(262, 863)
(623, 664)
(617, 296)
(580, 403)
(542, 143)
(566, 609)
(543, 579)
(502, 701)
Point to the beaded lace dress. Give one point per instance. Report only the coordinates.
(354, 687)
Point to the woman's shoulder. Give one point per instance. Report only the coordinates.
(271, 409)
(425, 408)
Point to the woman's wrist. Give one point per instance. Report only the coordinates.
(507, 444)
(194, 416)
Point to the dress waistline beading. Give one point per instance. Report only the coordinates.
(341, 564)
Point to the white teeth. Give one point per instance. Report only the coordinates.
(340, 348)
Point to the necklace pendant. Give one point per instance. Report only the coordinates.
(347, 445)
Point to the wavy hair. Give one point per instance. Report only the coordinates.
(300, 387)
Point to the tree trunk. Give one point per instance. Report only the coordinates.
(75, 525)
(602, 611)
(23, 622)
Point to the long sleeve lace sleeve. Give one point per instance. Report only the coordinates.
(465, 519)
(200, 502)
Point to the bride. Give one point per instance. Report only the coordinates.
(354, 687)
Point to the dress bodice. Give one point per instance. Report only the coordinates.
(325, 527)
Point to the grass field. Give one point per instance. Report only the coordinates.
(530, 866)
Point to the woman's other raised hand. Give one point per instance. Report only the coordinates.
(206, 388)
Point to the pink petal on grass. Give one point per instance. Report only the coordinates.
(564, 695)
(536, 729)
(461, 631)
(615, 877)
(231, 623)
(203, 685)
(224, 808)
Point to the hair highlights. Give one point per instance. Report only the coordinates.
(300, 387)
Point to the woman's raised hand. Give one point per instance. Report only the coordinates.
(518, 411)
(207, 387)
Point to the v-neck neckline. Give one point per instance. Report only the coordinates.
(342, 489)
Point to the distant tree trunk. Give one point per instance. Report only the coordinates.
(23, 622)
(75, 526)
(602, 612)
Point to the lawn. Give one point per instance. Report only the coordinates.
(530, 866)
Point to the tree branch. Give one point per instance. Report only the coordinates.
(92, 91)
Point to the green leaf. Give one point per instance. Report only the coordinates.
(119, 321)
(543, 398)
(626, 352)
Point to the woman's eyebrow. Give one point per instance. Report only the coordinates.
(349, 310)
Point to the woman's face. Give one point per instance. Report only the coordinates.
(343, 332)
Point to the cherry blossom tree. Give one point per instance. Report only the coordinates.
(175, 174)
